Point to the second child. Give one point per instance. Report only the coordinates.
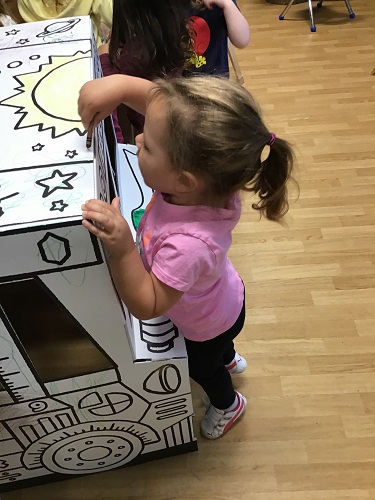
(149, 39)
(212, 22)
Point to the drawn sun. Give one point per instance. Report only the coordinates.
(48, 97)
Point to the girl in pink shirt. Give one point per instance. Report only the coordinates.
(202, 143)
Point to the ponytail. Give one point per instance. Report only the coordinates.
(271, 180)
(215, 132)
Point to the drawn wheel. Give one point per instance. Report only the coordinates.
(97, 450)
(86, 448)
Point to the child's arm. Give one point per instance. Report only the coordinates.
(238, 27)
(98, 98)
(107, 67)
(145, 296)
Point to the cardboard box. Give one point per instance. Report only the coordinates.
(84, 387)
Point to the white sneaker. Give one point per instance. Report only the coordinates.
(217, 422)
(237, 365)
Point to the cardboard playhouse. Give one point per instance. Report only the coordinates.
(84, 387)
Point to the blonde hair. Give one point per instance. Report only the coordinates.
(215, 131)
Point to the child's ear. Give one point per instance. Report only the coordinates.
(187, 182)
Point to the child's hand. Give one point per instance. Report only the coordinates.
(103, 49)
(98, 98)
(111, 227)
(220, 3)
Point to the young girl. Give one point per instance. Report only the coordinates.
(212, 22)
(100, 11)
(202, 143)
(149, 39)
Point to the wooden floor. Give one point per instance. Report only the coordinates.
(309, 432)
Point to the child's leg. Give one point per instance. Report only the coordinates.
(229, 353)
(207, 368)
(207, 365)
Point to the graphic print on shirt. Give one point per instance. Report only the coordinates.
(201, 35)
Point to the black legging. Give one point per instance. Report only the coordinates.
(207, 362)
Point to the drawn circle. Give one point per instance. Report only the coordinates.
(112, 404)
(95, 453)
(14, 64)
(164, 380)
(170, 378)
(36, 406)
(93, 457)
(34, 57)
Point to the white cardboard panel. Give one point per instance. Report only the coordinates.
(49, 250)
(134, 194)
(72, 415)
(156, 339)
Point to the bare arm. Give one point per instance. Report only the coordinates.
(145, 296)
(238, 27)
(98, 98)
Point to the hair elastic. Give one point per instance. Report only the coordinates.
(272, 139)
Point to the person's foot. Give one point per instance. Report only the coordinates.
(217, 422)
(237, 365)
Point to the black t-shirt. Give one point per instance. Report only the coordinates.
(209, 32)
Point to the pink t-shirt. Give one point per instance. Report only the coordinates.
(186, 248)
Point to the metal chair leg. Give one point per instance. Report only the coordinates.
(320, 3)
(313, 27)
(282, 15)
(350, 10)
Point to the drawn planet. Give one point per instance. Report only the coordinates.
(58, 27)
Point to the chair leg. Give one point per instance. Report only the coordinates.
(350, 10)
(235, 65)
(282, 15)
(313, 27)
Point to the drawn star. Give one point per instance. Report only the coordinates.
(22, 41)
(12, 32)
(58, 205)
(71, 154)
(38, 147)
(56, 181)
